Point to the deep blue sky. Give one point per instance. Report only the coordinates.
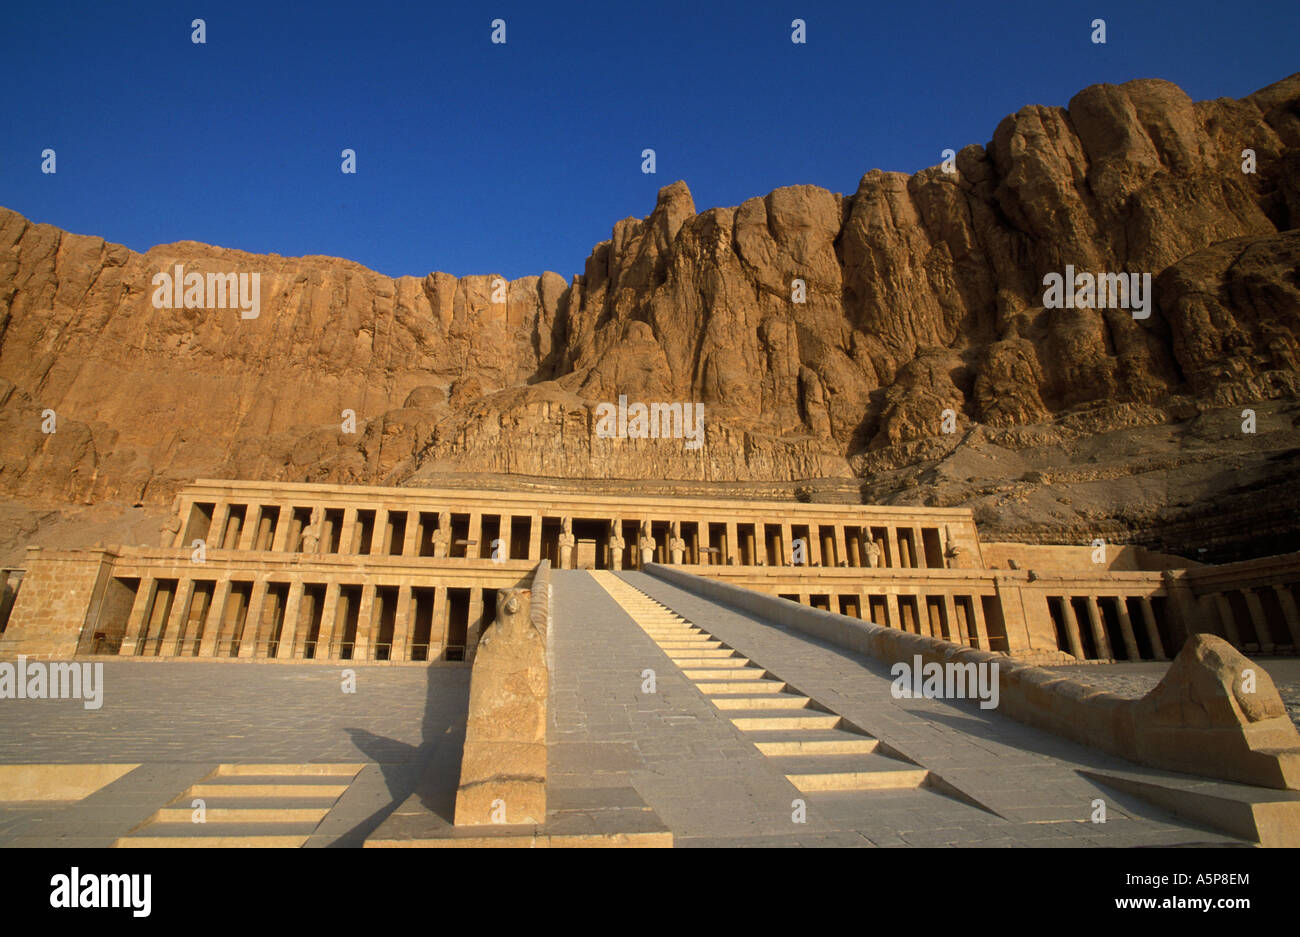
(514, 159)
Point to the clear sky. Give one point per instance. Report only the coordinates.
(474, 157)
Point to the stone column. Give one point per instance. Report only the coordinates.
(220, 516)
(348, 532)
(283, 524)
(918, 549)
(957, 629)
(215, 618)
(248, 533)
(289, 630)
(900, 618)
(535, 538)
(841, 546)
(787, 544)
(253, 620)
(895, 558)
(328, 622)
(814, 545)
(1262, 631)
(438, 625)
(1153, 632)
(1073, 636)
(1287, 601)
(474, 549)
(979, 625)
(1100, 641)
(410, 539)
(474, 625)
(230, 539)
(180, 611)
(1126, 629)
(1225, 617)
(402, 624)
(135, 623)
(731, 549)
(366, 624)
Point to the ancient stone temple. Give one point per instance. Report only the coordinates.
(324, 572)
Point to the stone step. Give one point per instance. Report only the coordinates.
(228, 835)
(262, 787)
(708, 653)
(244, 810)
(691, 662)
(723, 673)
(805, 742)
(295, 770)
(775, 701)
(758, 721)
(848, 772)
(743, 687)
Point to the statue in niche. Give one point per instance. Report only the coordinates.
(311, 533)
(616, 544)
(874, 554)
(646, 542)
(441, 537)
(567, 541)
(676, 543)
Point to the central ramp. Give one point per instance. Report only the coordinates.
(632, 723)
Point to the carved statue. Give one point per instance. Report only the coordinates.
(616, 545)
(676, 544)
(311, 533)
(646, 542)
(441, 537)
(567, 541)
(873, 554)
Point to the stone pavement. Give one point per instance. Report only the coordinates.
(1027, 780)
(180, 719)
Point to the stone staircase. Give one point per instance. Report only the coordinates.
(254, 805)
(818, 751)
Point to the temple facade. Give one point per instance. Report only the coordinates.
(324, 572)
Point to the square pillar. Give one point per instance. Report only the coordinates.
(918, 549)
(534, 542)
(895, 558)
(1126, 629)
(216, 614)
(1257, 619)
(248, 533)
(402, 624)
(1289, 611)
(731, 549)
(438, 627)
(787, 544)
(328, 621)
(410, 542)
(956, 629)
(979, 626)
(361, 648)
(253, 620)
(176, 620)
(348, 533)
(283, 523)
(475, 624)
(220, 516)
(289, 630)
(1100, 641)
(135, 623)
(1225, 618)
(841, 546)
(1153, 633)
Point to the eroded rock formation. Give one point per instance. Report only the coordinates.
(923, 293)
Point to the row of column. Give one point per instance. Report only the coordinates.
(965, 627)
(890, 550)
(247, 536)
(1228, 624)
(1097, 629)
(176, 624)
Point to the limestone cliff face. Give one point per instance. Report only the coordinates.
(923, 293)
